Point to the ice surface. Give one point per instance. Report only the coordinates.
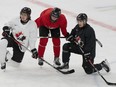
(29, 74)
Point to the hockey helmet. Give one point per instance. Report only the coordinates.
(82, 16)
(26, 10)
(56, 12)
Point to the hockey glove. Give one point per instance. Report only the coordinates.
(6, 31)
(20, 36)
(70, 38)
(79, 41)
(34, 53)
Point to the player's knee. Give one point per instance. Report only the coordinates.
(56, 41)
(88, 70)
(43, 41)
(66, 47)
(17, 60)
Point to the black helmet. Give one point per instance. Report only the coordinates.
(82, 16)
(56, 12)
(26, 10)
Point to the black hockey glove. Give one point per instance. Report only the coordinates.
(34, 53)
(70, 38)
(6, 31)
(20, 36)
(79, 41)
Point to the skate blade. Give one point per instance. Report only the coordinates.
(56, 65)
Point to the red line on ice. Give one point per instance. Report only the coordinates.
(107, 26)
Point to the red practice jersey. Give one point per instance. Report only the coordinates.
(44, 20)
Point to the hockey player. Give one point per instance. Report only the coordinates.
(51, 21)
(23, 30)
(82, 41)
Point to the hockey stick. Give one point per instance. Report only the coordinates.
(63, 72)
(99, 43)
(50, 37)
(64, 37)
(108, 83)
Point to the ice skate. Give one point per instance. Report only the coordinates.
(3, 66)
(64, 66)
(56, 62)
(105, 65)
(40, 62)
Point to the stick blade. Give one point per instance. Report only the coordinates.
(68, 72)
(111, 84)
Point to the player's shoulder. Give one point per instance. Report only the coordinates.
(47, 11)
(89, 28)
(62, 16)
(32, 22)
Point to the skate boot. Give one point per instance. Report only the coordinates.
(105, 65)
(40, 61)
(3, 66)
(6, 59)
(57, 62)
(64, 66)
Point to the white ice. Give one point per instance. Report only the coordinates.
(29, 74)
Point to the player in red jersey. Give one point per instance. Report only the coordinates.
(51, 21)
